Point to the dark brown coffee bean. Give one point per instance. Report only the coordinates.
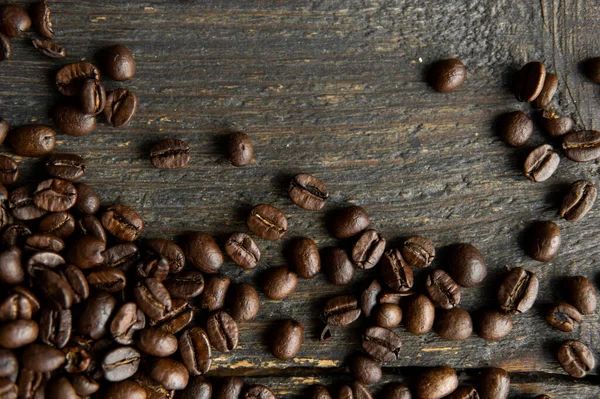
(44, 242)
(107, 279)
(267, 222)
(60, 388)
(57, 292)
(194, 348)
(530, 81)
(55, 195)
(349, 221)
(18, 333)
(122, 222)
(21, 204)
(356, 390)
(95, 317)
(222, 331)
(453, 324)
(258, 392)
(418, 251)
(390, 296)
(45, 259)
(286, 339)
(515, 128)
(126, 322)
(71, 77)
(447, 75)
(117, 62)
(518, 291)
(177, 319)
(32, 140)
(442, 290)
(78, 359)
(9, 170)
(55, 327)
(436, 383)
(125, 390)
(582, 146)
(242, 249)
(464, 392)
(387, 315)
(418, 314)
(40, 16)
(9, 365)
(186, 284)
(543, 241)
(382, 344)
(49, 48)
(369, 297)
(13, 20)
(89, 225)
(153, 389)
(466, 265)
(88, 201)
(579, 200)
(165, 249)
(317, 391)
(157, 343)
(197, 388)
(576, 358)
(368, 249)
(308, 192)
(399, 391)
(120, 108)
(563, 317)
(341, 310)
(42, 358)
(76, 280)
(32, 384)
(397, 274)
(548, 90)
(61, 224)
(5, 54)
(279, 282)
(541, 163)
(66, 166)
(243, 302)
(4, 126)
(338, 266)
(86, 252)
(493, 325)
(121, 363)
(84, 385)
(71, 120)
(304, 257)
(213, 296)
(154, 268)
(19, 304)
(170, 154)
(229, 388)
(580, 293)
(153, 298)
(365, 369)
(202, 251)
(554, 125)
(494, 383)
(240, 150)
(11, 272)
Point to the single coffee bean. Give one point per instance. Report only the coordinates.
(580, 293)
(42, 358)
(107, 279)
(55, 327)
(194, 348)
(543, 241)
(13, 20)
(222, 331)
(154, 268)
(78, 359)
(5, 54)
(382, 344)
(554, 125)
(40, 17)
(71, 120)
(49, 48)
(582, 146)
(286, 339)
(9, 365)
(466, 265)
(84, 385)
(11, 272)
(153, 389)
(368, 249)
(157, 343)
(356, 390)
(55, 195)
(229, 388)
(548, 90)
(317, 391)
(267, 222)
(347, 222)
(20, 304)
(120, 108)
(447, 75)
(61, 224)
(170, 154)
(86, 252)
(453, 324)
(341, 310)
(32, 384)
(365, 369)
(398, 391)
(563, 317)
(418, 251)
(18, 333)
(121, 256)
(338, 266)
(44, 242)
(215, 290)
(518, 291)
(9, 170)
(197, 388)
(259, 392)
(122, 222)
(279, 282)
(153, 298)
(530, 81)
(515, 128)
(436, 383)
(576, 358)
(71, 77)
(442, 290)
(203, 252)
(4, 126)
(177, 319)
(240, 150)
(60, 388)
(75, 278)
(397, 274)
(243, 302)
(168, 250)
(494, 383)
(242, 249)
(92, 97)
(464, 392)
(387, 315)
(308, 192)
(53, 287)
(88, 201)
(32, 140)
(121, 363)
(418, 314)
(97, 311)
(369, 297)
(579, 200)
(21, 204)
(128, 319)
(493, 325)
(186, 284)
(591, 68)
(117, 62)
(125, 390)
(89, 225)
(304, 258)
(541, 163)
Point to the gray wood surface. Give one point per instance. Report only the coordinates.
(336, 88)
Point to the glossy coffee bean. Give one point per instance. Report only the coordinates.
(308, 192)
(121, 105)
(554, 125)
(530, 81)
(347, 222)
(123, 222)
(242, 249)
(541, 163)
(563, 316)
(229, 388)
(242, 300)
(494, 383)
(194, 348)
(356, 390)
(84, 385)
(49, 48)
(127, 320)
(5, 54)
(168, 250)
(88, 201)
(442, 289)
(19, 304)
(447, 75)
(186, 284)
(365, 369)
(44, 242)
(13, 20)
(368, 249)
(369, 297)
(60, 388)
(89, 225)
(86, 252)
(197, 388)
(32, 140)
(576, 358)
(121, 363)
(240, 150)
(61, 224)
(267, 222)
(543, 241)
(202, 251)
(548, 90)
(317, 391)
(70, 78)
(214, 294)
(418, 251)
(95, 316)
(53, 288)
(493, 325)
(154, 268)
(76, 281)
(222, 331)
(55, 195)
(153, 298)
(40, 17)
(515, 128)
(55, 327)
(387, 315)
(117, 62)
(436, 383)
(518, 291)
(453, 324)
(418, 314)
(12, 271)
(170, 154)
(337, 266)
(107, 279)
(304, 257)
(464, 392)
(466, 265)
(279, 282)
(382, 344)
(156, 342)
(258, 391)
(341, 310)
(582, 146)
(286, 339)
(397, 274)
(18, 333)
(127, 389)
(21, 204)
(78, 359)
(177, 319)
(42, 358)
(71, 120)
(578, 201)
(398, 391)
(92, 98)
(9, 170)
(580, 292)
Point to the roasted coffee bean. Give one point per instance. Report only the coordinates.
(347, 222)
(19, 304)
(154, 268)
(563, 317)
(286, 339)
(61, 224)
(48, 260)
(107, 279)
(9, 170)
(120, 108)
(49, 48)
(530, 81)
(71, 77)
(78, 359)
(121, 256)
(117, 62)
(13, 20)
(390, 296)
(60, 388)
(76, 280)
(541, 163)
(494, 383)
(368, 249)
(580, 293)
(582, 146)
(186, 284)
(240, 150)
(40, 17)
(464, 392)
(88, 201)
(222, 331)
(44, 242)
(341, 310)
(453, 324)
(554, 125)
(157, 343)
(86, 252)
(4, 126)
(398, 391)
(53, 288)
(128, 319)
(466, 265)
(66, 166)
(121, 363)
(55, 195)
(338, 266)
(436, 383)
(576, 358)
(152, 298)
(5, 54)
(447, 75)
(308, 192)
(197, 388)
(42, 358)
(493, 325)
(279, 282)
(304, 257)
(518, 291)
(317, 391)
(11, 272)
(368, 298)
(170, 154)
(55, 327)
(242, 249)
(579, 200)
(387, 315)
(153, 389)
(127, 389)
(71, 120)
(194, 348)
(32, 384)
(418, 251)
(18, 333)
(418, 314)
(229, 388)
(382, 344)
(259, 392)
(32, 140)
(397, 274)
(89, 225)
(267, 222)
(442, 290)
(84, 385)
(356, 390)
(543, 241)
(9, 365)
(515, 128)
(202, 251)
(95, 316)
(548, 91)
(243, 302)
(21, 204)
(365, 369)
(122, 222)
(177, 319)
(213, 296)
(165, 249)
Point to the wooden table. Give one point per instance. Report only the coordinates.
(336, 88)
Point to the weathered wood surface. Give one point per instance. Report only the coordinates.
(335, 88)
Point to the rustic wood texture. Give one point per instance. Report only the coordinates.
(336, 88)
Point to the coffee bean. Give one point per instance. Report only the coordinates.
(197, 388)
(55, 195)
(18, 333)
(347, 222)
(563, 317)
(96, 314)
(447, 75)
(418, 251)
(436, 383)
(242, 249)
(66, 166)
(40, 17)
(78, 359)
(580, 293)
(194, 348)
(9, 365)
(582, 146)
(229, 388)
(49, 48)
(117, 62)
(84, 385)
(76, 280)
(554, 125)
(125, 390)
(203, 252)
(398, 391)
(89, 225)
(442, 290)
(304, 258)
(177, 319)
(86, 252)
(369, 297)
(267, 222)
(548, 90)
(382, 344)
(518, 291)
(515, 128)
(21, 204)
(55, 327)
(464, 392)
(120, 108)
(92, 97)
(418, 314)
(11, 272)
(341, 310)
(576, 358)
(453, 324)
(494, 383)
(308, 192)
(387, 315)
(9, 170)
(578, 201)
(60, 388)
(365, 369)
(530, 81)
(5, 54)
(591, 68)
(259, 392)
(88, 201)
(121, 363)
(338, 266)
(122, 222)
(356, 390)
(541, 163)
(368, 249)
(13, 20)
(53, 287)
(32, 140)
(128, 319)
(44, 242)
(286, 339)
(71, 120)
(279, 282)
(240, 150)
(42, 358)
(61, 224)
(71, 77)
(317, 391)
(466, 265)
(243, 302)
(493, 325)
(107, 279)
(215, 290)
(19, 304)
(4, 126)
(152, 388)
(222, 331)
(156, 342)
(397, 274)
(543, 241)
(170, 154)
(168, 250)
(186, 284)
(153, 298)
(154, 268)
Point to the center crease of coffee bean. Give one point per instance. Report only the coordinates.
(268, 222)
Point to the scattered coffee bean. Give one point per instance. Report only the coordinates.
(397, 274)
(398, 391)
(61, 224)
(89, 225)
(13, 20)
(442, 290)
(579, 200)
(120, 363)
(55, 195)
(21, 204)
(530, 81)
(92, 97)
(214, 294)
(387, 315)
(127, 389)
(369, 297)
(418, 314)
(466, 265)
(515, 128)
(317, 391)
(368, 249)
(186, 284)
(582, 146)
(96, 314)
(493, 325)
(170, 154)
(453, 324)
(194, 348)
(153, 298)
(128, 319)
(55, 327)
(580, 292)
(286, 339)
(240, 150)
(258, 392)
(87, 200)
(9, 170)
(338, 266)
(308, 192)
(87, 252)
(243, 302)
(279, 282)
(304, 257)
(197, 388)
(228, 388)
(543, 241)
(563, 317)
(42, 358)
(222, 331)
(447, 75)
(85, 386)
(382, 344)
(40, 17)
(347, 222)
(242, 249)
(267, 222)
(436, 383)
(591, 67)
(554, 125)
(365, 369)
(341, 310)
(356, 390)
(203, 252)
(107, 279)
(518, 291)
(70, 78)
(71, 120)
(494, 383)
(122, 222)
(576, 358)
(464, 392)
(18, 333)
(12, 271)
(120, 108)
(4, 126)
(49, 48)
(541, 163)
(5, 49)
(157, 342)
(548, 91)
(66, 166)
(32, 140)
(117, 62)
